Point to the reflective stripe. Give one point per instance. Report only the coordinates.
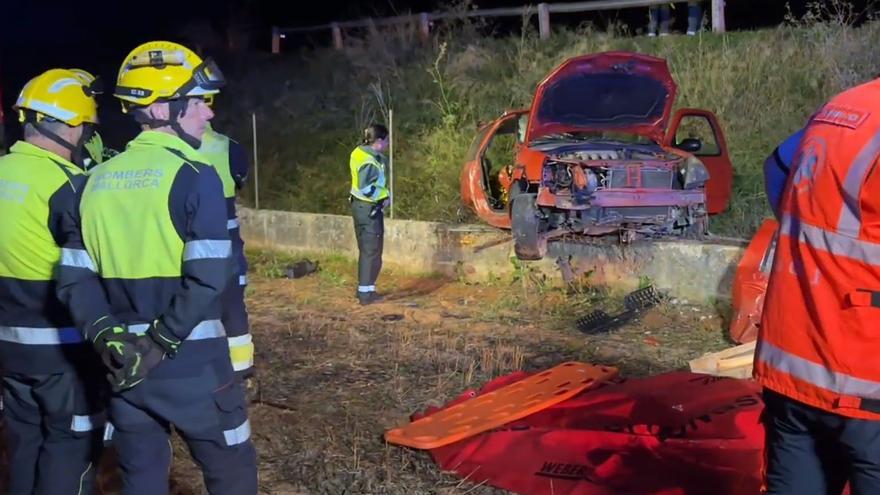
(366, 288)
(206, 249)
(232, 223)
(87, 423)
(831, 242)
(77, 258)
(242, 280)
(108, 431)
(243, 365)
(238, 435)
(850, 221)
(240, 340)
(208, 329)
(40, 336)
(817, 374)
(45, 108)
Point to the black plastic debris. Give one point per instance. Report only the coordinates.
(302, 268)
(392, 317)
(599, 321)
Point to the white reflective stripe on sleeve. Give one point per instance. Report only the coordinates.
(40, 336)
(240, 340)
(77, 258)
(242, 280)
(87, 423)
(238, 435)
(243, 365)
(208, 329)
(232, 223)
(206, 249)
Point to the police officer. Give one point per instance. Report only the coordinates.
(818, 340)
(53, 398)
(229, 158)
(154, 236)
(369, 195)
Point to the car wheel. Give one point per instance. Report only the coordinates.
(529, 228)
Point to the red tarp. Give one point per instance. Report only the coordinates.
(677, 433)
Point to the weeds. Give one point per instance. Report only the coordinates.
(762, 84)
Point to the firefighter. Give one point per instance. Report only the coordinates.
(94, 150)
(154, 236)
(818, 340)
(368, 197)
(229, 158)
(53, 393)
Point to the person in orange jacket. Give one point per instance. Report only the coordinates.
(818, 343)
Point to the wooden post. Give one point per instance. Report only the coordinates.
(718, 24)
(424, 25)
(544, 20)
(276, 40)
(337, 35)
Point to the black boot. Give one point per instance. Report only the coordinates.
(369, 298)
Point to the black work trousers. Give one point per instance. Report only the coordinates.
(370, 233)
(810, 451)
(53, 430)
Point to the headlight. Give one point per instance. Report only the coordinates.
(694, 174)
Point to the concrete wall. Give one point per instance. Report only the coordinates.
(699, 272)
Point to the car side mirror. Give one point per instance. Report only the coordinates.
(691, 145)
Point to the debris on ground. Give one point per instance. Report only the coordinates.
(598, 321)
(301, 268)
(735, 362)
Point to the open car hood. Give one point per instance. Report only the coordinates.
(610, 91)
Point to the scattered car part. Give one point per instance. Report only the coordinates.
(302, 268)
(635, 302)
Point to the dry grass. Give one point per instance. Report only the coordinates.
(332, 375)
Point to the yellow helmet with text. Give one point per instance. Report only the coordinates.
(163, 71)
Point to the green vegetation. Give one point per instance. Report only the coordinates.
(311, 105)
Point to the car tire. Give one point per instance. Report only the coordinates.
(529, 228)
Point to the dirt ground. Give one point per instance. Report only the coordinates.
(333, 376)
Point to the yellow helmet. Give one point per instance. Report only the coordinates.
(93, 83)
(163, 70)
(57, 94)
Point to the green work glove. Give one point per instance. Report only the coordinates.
(146, 356)
(128, 357)
(163, 337)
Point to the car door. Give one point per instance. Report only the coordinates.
(703, 125)
(482, 187)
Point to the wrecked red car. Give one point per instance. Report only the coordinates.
(599, 152)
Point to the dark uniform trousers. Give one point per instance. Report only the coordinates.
(50, 426)
(814, 452)
(370, 233)
(206, 406)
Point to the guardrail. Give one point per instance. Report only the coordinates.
(424, 19)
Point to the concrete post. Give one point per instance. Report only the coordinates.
(718, 24)
(337, 35)
(544, 20)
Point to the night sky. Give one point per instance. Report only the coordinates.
(96, 35)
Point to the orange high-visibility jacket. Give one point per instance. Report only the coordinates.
(819, 341)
